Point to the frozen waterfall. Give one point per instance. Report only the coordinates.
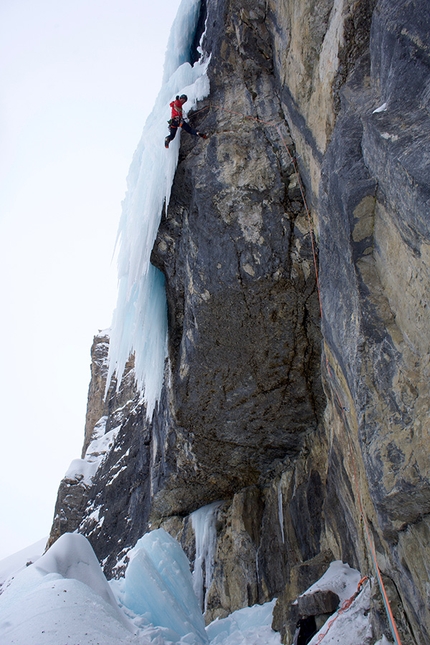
(139, 322)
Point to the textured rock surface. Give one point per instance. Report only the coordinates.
(320, 602)
(243, 418)
(110, 509)
(236, 252)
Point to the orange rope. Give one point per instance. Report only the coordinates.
(345, 605)
(369, 539)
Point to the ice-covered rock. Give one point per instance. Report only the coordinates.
(339, 578)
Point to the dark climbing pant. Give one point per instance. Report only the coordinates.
(175, 124)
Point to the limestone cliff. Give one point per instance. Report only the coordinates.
(302, 405)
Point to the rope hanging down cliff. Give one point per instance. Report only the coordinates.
(368, 537)
(345, 605)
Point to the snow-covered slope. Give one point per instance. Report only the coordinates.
(12, 565)
(65, 598)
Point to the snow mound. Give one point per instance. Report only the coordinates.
(64, 598)
(349, 626)
(248, 626)
(72, 556)
(339, 578)
(13, 564)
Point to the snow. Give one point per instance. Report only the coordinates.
(72, 556)
(381, 108)
(64, 599)
(12, 565)
(347, 626)
(339, 578)
(248, 626)
(83, 470)
(51, 610)
(203, 523)
(139, 322)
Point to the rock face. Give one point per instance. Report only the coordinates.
(236, 252)
(310, 431)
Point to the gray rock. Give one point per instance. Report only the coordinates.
(320, 602)
(303, 430)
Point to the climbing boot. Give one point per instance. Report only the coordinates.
(166, 142)
(202, 135)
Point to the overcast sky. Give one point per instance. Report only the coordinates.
(77, 81)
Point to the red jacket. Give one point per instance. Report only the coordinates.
(176, 108)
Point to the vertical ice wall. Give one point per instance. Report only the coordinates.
(139, 322)
(203, 522)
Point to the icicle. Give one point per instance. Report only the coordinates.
(281, 511)
(139, 323)
(203, 523)
(257, 565)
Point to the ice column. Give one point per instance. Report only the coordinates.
(203, 523)
(139, 323)
(281, 511)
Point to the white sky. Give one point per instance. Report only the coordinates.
(77, 81)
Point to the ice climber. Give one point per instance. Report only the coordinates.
(177, 121)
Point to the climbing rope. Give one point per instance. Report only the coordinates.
(344, 606)
(368, 537)
(367, 533)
